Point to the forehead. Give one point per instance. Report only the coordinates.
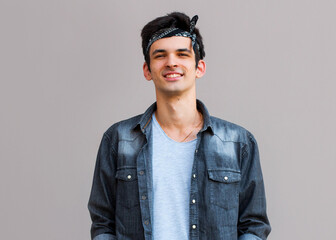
(171, 44)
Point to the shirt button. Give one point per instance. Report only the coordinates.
(194, 175)
(129, 176)
(196, 150)
(194, 226)
(141, 172)
(193, 201)
(146, 222)
(144, 197)
(226, 178)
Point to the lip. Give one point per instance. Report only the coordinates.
(172, 76)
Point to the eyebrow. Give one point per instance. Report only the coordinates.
(183, 50)
(159, 51)
(178, 50)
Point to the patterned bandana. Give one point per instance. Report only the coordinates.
(170, 32)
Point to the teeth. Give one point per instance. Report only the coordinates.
(172, 75)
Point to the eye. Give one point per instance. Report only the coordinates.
(183, 55)
(159, 56)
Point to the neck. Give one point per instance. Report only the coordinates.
(178, 117)
(177, 112)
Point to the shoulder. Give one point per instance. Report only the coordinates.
(230, 132)
(125, 129)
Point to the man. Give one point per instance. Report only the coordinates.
(175, 172)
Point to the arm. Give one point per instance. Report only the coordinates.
(105, 237)
(102, 199)
(253, 223)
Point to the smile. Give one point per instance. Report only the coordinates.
(172, 75)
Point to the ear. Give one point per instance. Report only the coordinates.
(200, 70)
(146, 72)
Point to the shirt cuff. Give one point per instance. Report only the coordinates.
(105, 237)
(249, 236)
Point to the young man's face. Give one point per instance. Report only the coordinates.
(173, 66)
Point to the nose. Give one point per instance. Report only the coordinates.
(171, 61)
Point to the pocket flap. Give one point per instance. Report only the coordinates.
(224, 176)
(127, 174)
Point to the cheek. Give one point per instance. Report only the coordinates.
(192, 66)
(192, 69)
(155, 67)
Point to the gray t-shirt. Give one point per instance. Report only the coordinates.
(172, 167)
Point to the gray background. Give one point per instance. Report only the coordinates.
(71, 68)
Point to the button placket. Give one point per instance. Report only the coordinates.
(193, 195)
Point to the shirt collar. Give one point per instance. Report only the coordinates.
(146, 118)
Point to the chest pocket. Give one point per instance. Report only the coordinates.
(224, 188)
(127, 187)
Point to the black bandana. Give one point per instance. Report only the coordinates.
(171, 32)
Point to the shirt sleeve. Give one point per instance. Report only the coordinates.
(101, 203)
(253, 222)
(105, 237)
(249, 237)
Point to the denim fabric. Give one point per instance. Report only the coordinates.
(249, 237)
(105, 237)
(226, 182)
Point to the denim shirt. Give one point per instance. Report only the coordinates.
(226, 183)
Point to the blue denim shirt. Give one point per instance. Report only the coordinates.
(226, 182)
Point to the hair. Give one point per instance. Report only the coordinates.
(171, 20)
